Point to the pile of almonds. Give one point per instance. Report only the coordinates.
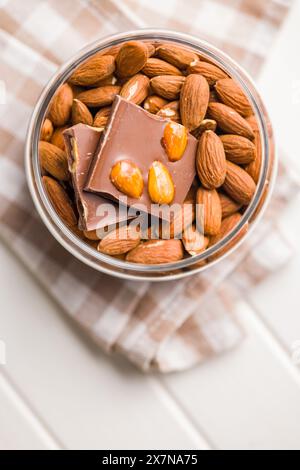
(178, 84)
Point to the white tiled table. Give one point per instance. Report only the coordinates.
(57, 391)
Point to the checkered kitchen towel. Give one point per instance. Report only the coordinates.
(165, 326)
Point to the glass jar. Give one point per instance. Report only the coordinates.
(187, 266)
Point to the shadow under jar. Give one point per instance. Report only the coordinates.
(246, 217)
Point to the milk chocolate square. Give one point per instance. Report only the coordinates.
(81, 143)
(134, 134)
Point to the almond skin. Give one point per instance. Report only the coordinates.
(194, 98)
(170, 111)
(61, 105)
(58, 138)
(238, 149)
(81, 113)
(156, 66)
(211, 72)
(228, 205)
(156, 252)
(229, 120)
(136, 89)
(167, 86)
(101, 118)
(97, 97)
(53, 160)
(208, 211)
(131, 58)
(253, 169)
(119, 241)
(154, 103)
(97, 68)
(46, 130)
(194, 242)
(238, 184)
(231, 94)
(178, 56)
(60, 200)
(210, 160)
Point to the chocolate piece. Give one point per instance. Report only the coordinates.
(81, 143)
(134, 134)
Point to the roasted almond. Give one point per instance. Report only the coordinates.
(131, 58)
(101, 118)
(81, 113)
(90, 72)
(46, 130)
(61, 105)
(231, 94)
(156, 66)
(120, 240)
(211, 72)
(53, 160)
(97, 97)
(206, 125)
(229, 120)
(228, 205)
(160, 184)
(58, 138)
(170, 111)
(211, 160)
(208, 211)
(167, 86)
(253, 169)
(238, 184)
(178, 56)
(154, 103)
(194, 98)
(174, 140)
(193, 241)
(136, 89)
(127, 178)
(156, 252)
(60, 201)
(238, 149)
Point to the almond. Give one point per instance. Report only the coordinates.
(228, 205)
(174, 140)
(238, 149)
(127, 178)
(211, 72)
(194, 98)
(193, 241)
(180, 219)
(253, 169)
(46, 130)
(227, 225)
(110, 80)
(178, 56)
(156, 66)
(102, 116)
(206, 125)
(120, 240)
(81, 113)
(167, 86)
(160, 184)
(170, 111)
(91, 235)
(90, 72)
(156, 252)
(58, 138)
(61, 105)
(136, 89)
(131, 58)
(154, 103)
(229, 120)
(53, 160)
(210, 160)
(238, 184)
(97, 97)
(231, 94)
(60, 201)
(208, 211)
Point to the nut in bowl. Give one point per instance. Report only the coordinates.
(150, 155)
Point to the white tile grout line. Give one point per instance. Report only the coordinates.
(26, 410)
(171, 403)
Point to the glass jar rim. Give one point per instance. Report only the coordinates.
(78, 247)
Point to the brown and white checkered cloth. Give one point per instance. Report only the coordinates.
(165, 326)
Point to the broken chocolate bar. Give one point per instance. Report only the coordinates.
(134, 139)
(95, 212)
